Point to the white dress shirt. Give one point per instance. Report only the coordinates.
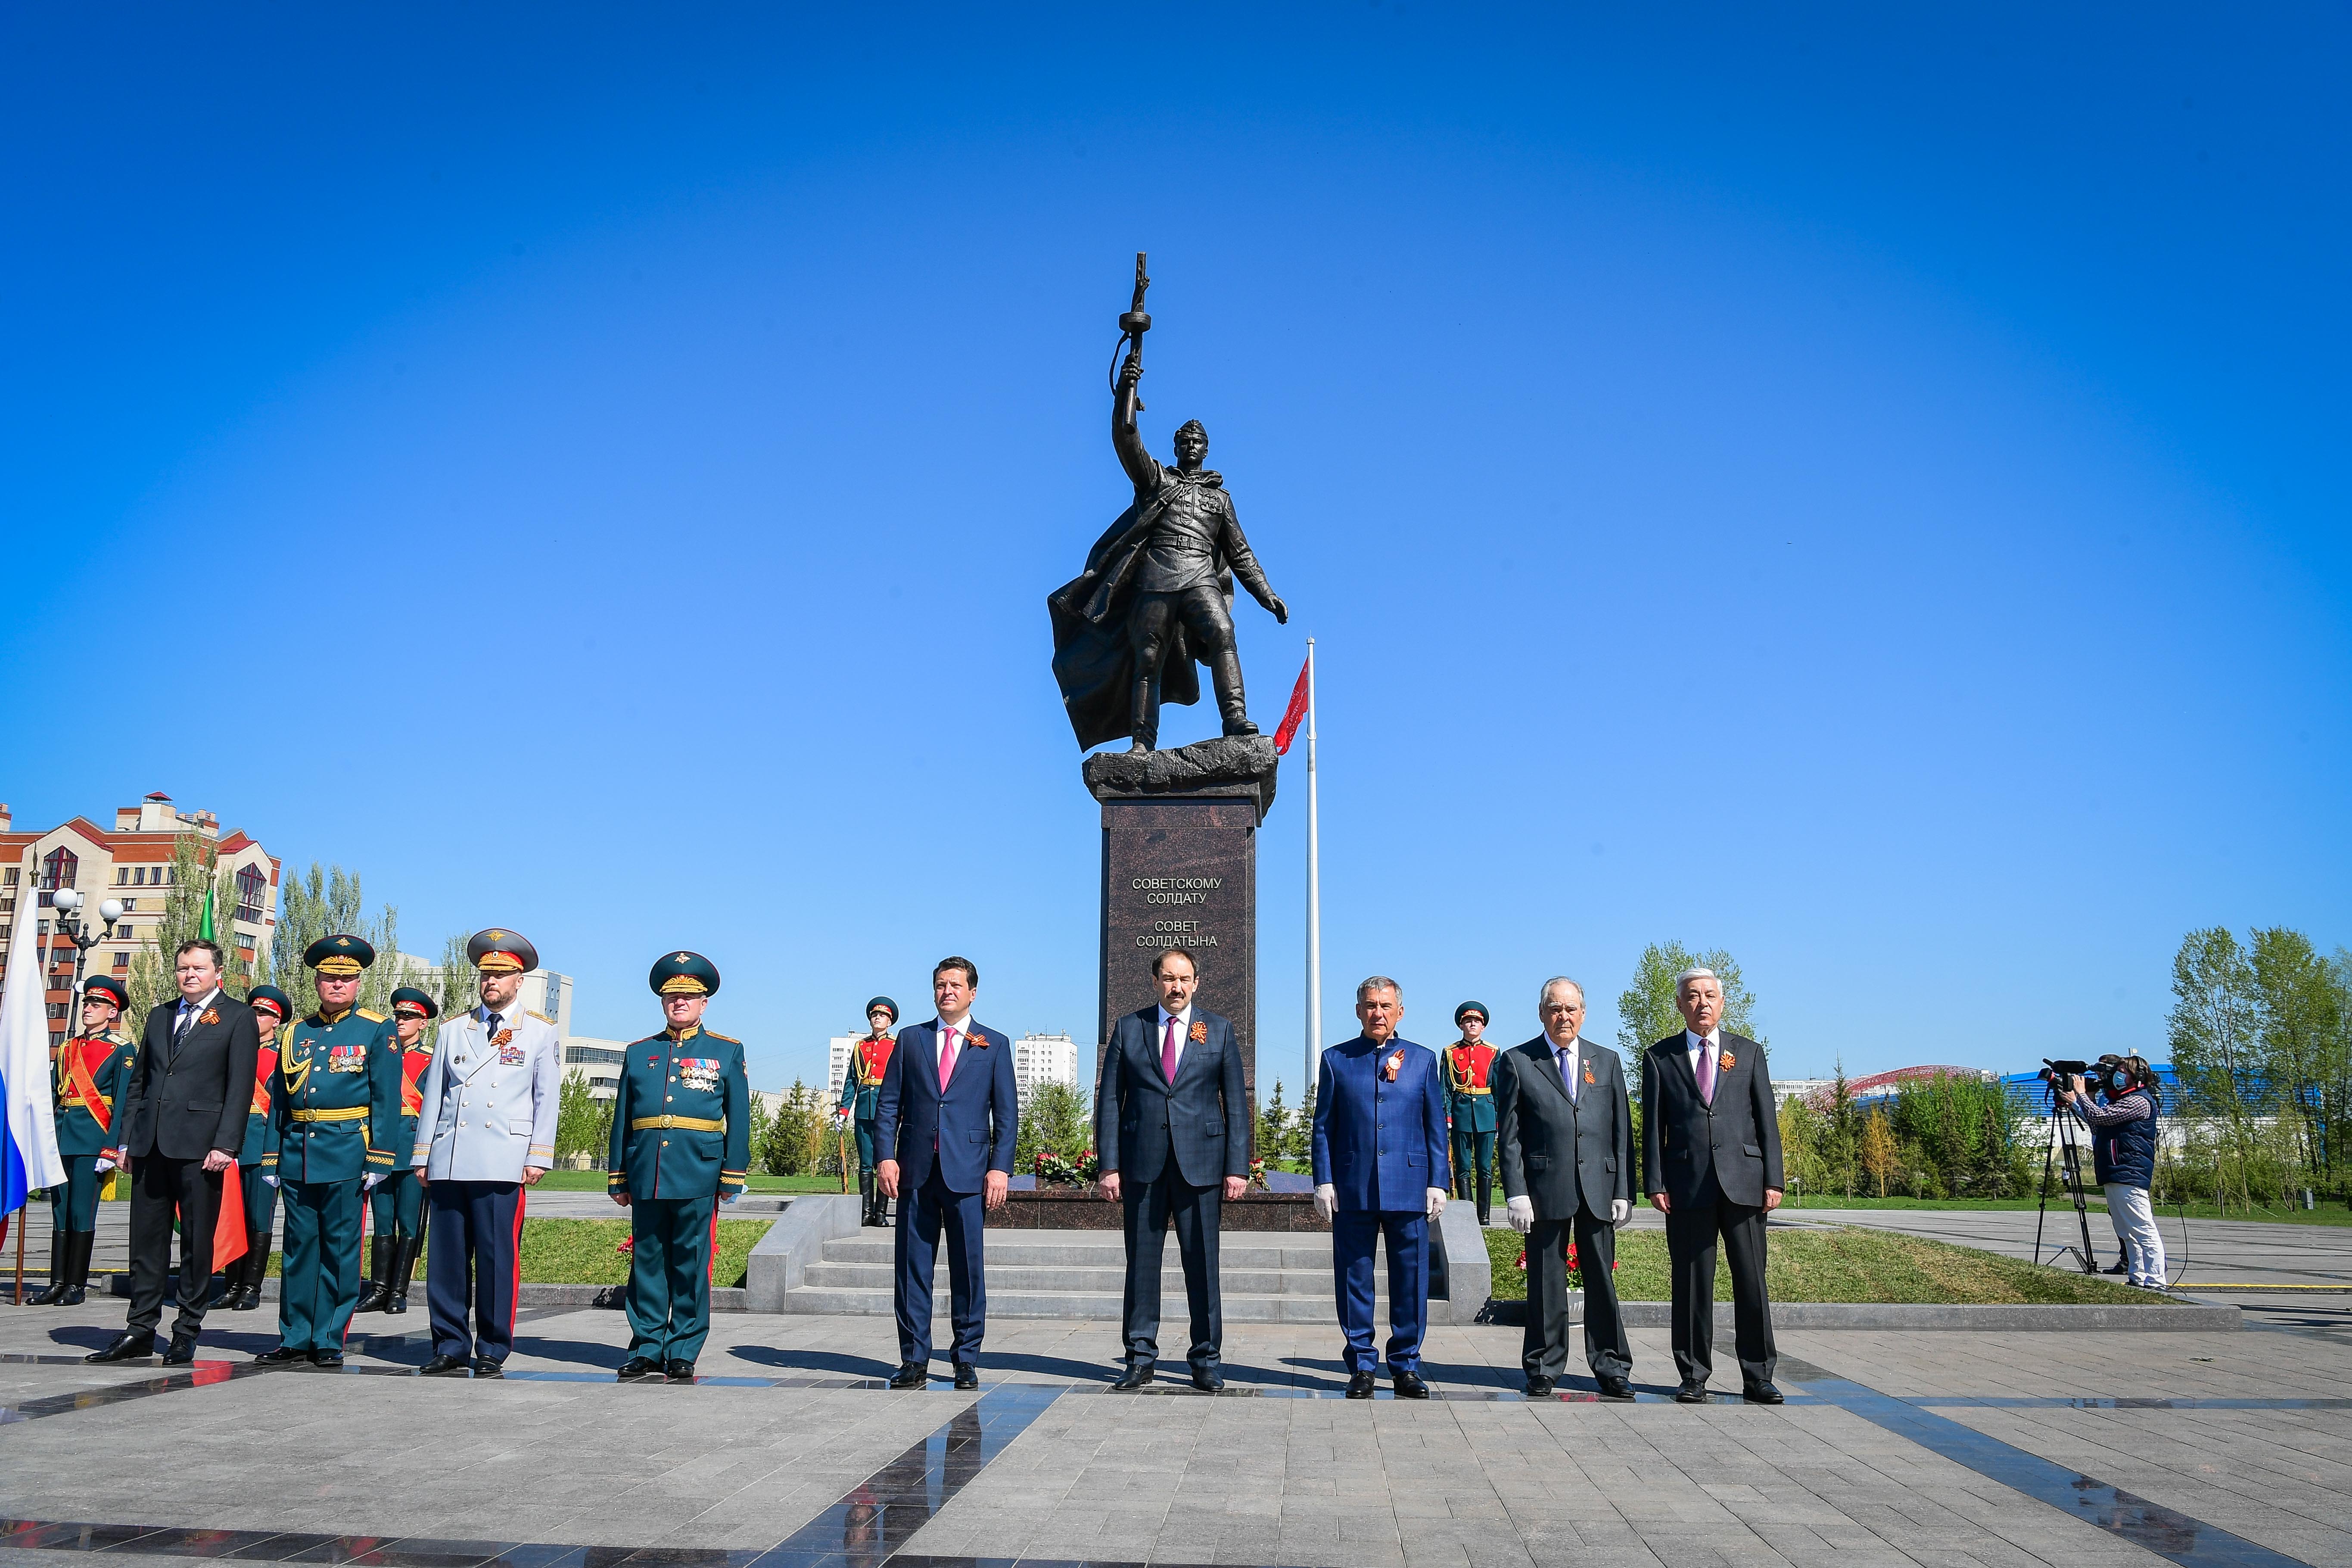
(1183, 1035)
(1564, 1059)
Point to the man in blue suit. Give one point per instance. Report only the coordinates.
(943, 1141)
(1381, 1169)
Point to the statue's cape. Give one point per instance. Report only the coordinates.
(1094, 664)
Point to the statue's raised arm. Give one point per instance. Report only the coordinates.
(1125, 438)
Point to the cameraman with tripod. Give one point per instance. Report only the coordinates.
(2123, 1122)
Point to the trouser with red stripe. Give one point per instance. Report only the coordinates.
(472, 1250)
(670, 1244)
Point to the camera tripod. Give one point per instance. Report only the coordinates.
(2064, 1150)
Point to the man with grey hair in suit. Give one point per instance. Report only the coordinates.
(1565, 1143)
(1711, 1165)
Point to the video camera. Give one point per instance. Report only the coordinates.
(2110, 1073)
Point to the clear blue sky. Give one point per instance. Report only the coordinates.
(1861, 488)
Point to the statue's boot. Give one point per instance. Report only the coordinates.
(60, 1248)
(1145, 706)
(1225, 671)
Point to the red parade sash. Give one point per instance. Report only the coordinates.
(78, 1069)
(265, 1062)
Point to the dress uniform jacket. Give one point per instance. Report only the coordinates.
(105, 1059)
(682, 1119)
(861, 1086)
(337, 1085)
(1469, 1098)
(260, 1121)
(486, 1110)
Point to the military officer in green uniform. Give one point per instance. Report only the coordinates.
(93, 1070)
(396, 1207)
(271, 1009)
(861, 1102)
(338, 1082)
(681, 1144)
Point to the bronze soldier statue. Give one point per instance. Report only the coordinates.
(1157, 594)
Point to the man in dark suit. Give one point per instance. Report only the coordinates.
(1380, 1172)
(1566, 1134)
(1171, 1129)
(1711, 1163)
(183, 1122)
(944, 1140)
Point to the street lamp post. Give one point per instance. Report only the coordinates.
(76, 929)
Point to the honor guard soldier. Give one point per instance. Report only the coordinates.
(681, 1144)
(93, 1070)
(1470, 1107)
(397, 1204)
(861, 1100)
(271, 1009)
(338, 1082)
(485, 1130)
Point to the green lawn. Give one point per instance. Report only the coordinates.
(587, 1251)
(593, 1181)
(1848, 1264)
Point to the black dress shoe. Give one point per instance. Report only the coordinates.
(1762, 1394)
(637, 1369)
(182, 1353)
(485, 1367)
(1691, 1394)
(127, 1345)
(1615, 1388)
(1360, 1385)
(1206, 1380)
(1409, 1385)
(910, 1376)
(678, 1370)
(281, 1356)
(1135, 1377)
(1540, 1387)
(443, 1366)
(966, 1375)
(328, 1360)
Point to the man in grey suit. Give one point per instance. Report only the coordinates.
(1171, 1127)
(1565, 1141)
(1711, 1163)
(485, 1130)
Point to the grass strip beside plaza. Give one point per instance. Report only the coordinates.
(1847, 1264)
(594, 1181)
(587, 1251)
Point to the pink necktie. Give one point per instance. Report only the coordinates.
(947, 1058)
(1167, 1054)
(1707, 1072)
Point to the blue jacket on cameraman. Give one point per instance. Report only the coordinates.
(2123, 1135)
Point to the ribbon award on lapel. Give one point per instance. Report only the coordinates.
(1389, 1068)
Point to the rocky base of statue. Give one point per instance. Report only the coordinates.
(1241, 763)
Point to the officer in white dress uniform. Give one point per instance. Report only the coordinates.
(485, 1132)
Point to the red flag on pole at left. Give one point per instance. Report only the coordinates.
(1292, 716)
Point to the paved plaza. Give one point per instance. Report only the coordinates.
(1944, 1450)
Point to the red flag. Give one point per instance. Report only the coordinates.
(228, 1225)
(1292, 715)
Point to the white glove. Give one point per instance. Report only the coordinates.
(368, 1182)
(730, 1197)
(1437, 1201)
(1521, 1212)
(1619, 1211)
(1326, 1201)
(103, 1165)
(271, 1180)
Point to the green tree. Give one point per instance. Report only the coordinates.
(1055, 1119)
(761, 1123)
(796, 1132)
(1301, 1146)
(2214, 1029)
(1273, 1127)
(195, 867)
(1877, 1153)
(457, 991)
(583, 1123)
(1840, 1134)
(327, 902)
(2300, 1035)
(1957, 1130)
(1645, 1009)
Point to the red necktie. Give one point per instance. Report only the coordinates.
(1707, 1072)
(1167, 1053)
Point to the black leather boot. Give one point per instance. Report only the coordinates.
(379, 1269)
(404, 1267)
(77, 1267)
(54, 1295)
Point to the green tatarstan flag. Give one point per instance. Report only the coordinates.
(204, 927)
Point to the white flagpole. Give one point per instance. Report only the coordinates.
(1314, 897)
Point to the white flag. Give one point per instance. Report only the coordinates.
(29, 1137)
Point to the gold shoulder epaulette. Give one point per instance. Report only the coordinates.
(717, 1035)
(533, 1013)
(373, 1018)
